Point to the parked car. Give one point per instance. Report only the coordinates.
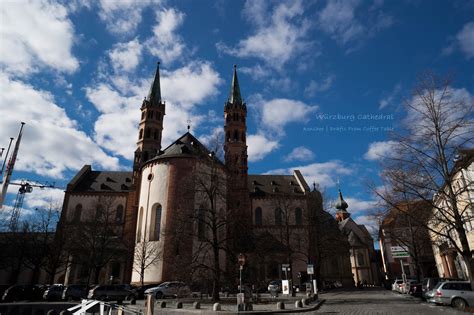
(415, 290)
(53, 292)
(396, 285)
(428, 284)
(140, 291)
(456, 293)
(113, 292)
(169, 289)
(22, 292)
(74, 292)
(275, 286)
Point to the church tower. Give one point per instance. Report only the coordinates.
(235, 150)
(151, 124)
(341, 206)
(235, 128)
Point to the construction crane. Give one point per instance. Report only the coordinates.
(25, 188)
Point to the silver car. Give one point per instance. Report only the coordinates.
(456, 293)
(169, 289)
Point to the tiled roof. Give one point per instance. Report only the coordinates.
(261, 185)
(95, 181)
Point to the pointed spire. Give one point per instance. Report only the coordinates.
(154, 96)
(234, 95)
(341, 204)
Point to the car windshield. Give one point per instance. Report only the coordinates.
(438, 285)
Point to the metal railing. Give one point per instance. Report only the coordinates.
(104, 308)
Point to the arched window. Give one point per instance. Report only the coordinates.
(139, 225)
(278, 216)
(258, 216)
(119, 214)
(150, 114)
(236, 135)
(158, 115)
(77, 213)
(155, 135)
(155, 228)
(227, 118)
(145, 156)
(201, 218)
(228, 136)
(147, 133)
(298, 216)
(140, 134)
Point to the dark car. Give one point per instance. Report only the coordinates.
(53, 293)
(74, 292)
(415, 290)
(27, 292)
(113, 292)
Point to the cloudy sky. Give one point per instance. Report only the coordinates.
(323, 80)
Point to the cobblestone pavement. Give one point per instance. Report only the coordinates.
(378, 301)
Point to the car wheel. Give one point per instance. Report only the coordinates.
(459, 304)
(159, 295)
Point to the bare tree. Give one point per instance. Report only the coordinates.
(147, 254)
(97, 241)
(422, 164)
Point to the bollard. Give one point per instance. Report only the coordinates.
(150, 303)
(196, 305)
(304, 301)
(280, 306)
(216, 307)
(179, 304)
(298, 304)
(162, 304)
(120, 311)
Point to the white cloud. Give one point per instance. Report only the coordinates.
(370, 222)
(324, 174)
(119, 105)
(379, 150)
(359, 205)
(278, 37)
(300, 154)
(122, 17)
(52, 143)
(389, 99)
(259, 146)
(315, 87)
(338, 19)
(166, 44)
(275, 114)
(190, 84)
(126, 56)
(466, 40)
(35, 35)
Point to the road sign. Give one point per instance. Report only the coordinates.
(399, 251)
(241, 259)
(400, 255)
(310, 270)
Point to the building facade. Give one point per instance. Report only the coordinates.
(362, 252)
(448, 261)
(188, 213)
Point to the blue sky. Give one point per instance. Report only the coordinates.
(323, 80)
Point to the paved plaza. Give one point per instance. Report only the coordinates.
(378, 301)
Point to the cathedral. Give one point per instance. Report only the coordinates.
(186, 213)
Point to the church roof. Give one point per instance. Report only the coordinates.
(100, 181)
(261, 185)
(187, 145)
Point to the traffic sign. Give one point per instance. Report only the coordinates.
(310, 269)
(241, 259)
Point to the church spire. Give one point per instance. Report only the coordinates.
(234, 95)
(154, 96)
(341, 206)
